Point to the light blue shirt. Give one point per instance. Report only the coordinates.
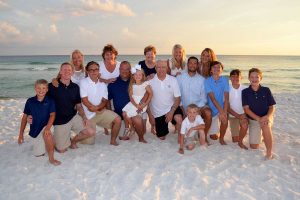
(192, 90)
(218, 88)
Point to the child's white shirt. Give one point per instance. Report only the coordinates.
(235, 99)
(187, 124)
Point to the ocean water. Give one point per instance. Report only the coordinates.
(18, 73)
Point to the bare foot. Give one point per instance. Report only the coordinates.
(55, 162)
(269, 157)
(124, 138)
(222, 142)
(73, 145)
(143, 140)
(242, 146)
(162, 138)
(214, 137)
(114, 143)
(106, 131)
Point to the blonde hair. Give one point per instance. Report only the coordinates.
(71, 59)
(258, 71)
(132, 81)
(192, 106)
(41, 82)
(181, 63)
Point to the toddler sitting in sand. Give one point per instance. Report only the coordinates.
(192, 129)
(42, 110)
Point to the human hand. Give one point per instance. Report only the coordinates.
(21, 139)
(169, 117)
(111, 80)
(29, 119)
(47, 132)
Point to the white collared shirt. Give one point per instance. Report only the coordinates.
(164, 93)
(94, 92)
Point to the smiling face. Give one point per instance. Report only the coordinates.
(254, 78)
(192, 65)
(77, 60)
(216, 70)
(161, 69)
(93, 72)
(150, 56)
(178, 54)
(205, 57)
(41, 90)
(192, 113)
(235, 79)
(139, 76)
(125, 71)
(66, 71)
(109, 56)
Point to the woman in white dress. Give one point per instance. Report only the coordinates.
(138, 86)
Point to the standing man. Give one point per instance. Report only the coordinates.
(192, 90)
(94, 100)
(165, 101)
(68, 103)
(118, 93)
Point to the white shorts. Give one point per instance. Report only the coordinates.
(215, 126)
(39, 147)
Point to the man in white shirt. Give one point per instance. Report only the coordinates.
(165, 101)
(94, 100)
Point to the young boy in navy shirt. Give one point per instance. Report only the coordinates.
(258, 104)
(42, 110)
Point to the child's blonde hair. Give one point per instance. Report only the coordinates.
(192, 106)
(41, 82)
(132, 81)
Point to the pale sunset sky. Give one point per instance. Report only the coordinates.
(230, 27)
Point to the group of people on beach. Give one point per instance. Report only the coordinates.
(190, 93)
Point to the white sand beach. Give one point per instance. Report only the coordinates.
(154, 170)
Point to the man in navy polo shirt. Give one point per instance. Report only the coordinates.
(258, 104)
(68, 102)
(118, 93)
(42, 110)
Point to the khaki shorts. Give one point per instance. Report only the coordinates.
(190, 140)
(62, 133)
(234, 126)
(215, 126)
(255, 131)
(39, 144)
(104, 119)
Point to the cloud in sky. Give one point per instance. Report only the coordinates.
(127, 33)
(108, 6)
(11, 34)
(87, 33)
(4, 5)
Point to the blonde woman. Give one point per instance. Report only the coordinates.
(77, 62)
(207, 56)
(177, 63)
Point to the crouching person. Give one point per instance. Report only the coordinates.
(42, 110)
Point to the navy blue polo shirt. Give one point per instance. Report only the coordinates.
(118, 92)
(65, 98)
(147, 70)
(40, 112)
(258, 101)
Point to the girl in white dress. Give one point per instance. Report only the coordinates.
(138, 86)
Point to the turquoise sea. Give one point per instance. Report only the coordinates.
(18, 73)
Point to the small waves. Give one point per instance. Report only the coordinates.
(36, 68)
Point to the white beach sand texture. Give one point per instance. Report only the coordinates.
(154, 170)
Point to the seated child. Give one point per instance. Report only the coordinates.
(217, 90)
(192, 129)
(258, 104)
(42, 110)
(237, 118)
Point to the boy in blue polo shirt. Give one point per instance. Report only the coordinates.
(42, 110)
(258, 104)
(217, 90)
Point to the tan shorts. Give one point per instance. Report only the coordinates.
(234, 126)
(190, 140)
(62, 133)
(104, 119)
(215, 126)
(39, 144)
(255, 131)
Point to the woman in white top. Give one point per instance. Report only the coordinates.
(207, 56)
(177, 63)
(76, 60)
(109, 67)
